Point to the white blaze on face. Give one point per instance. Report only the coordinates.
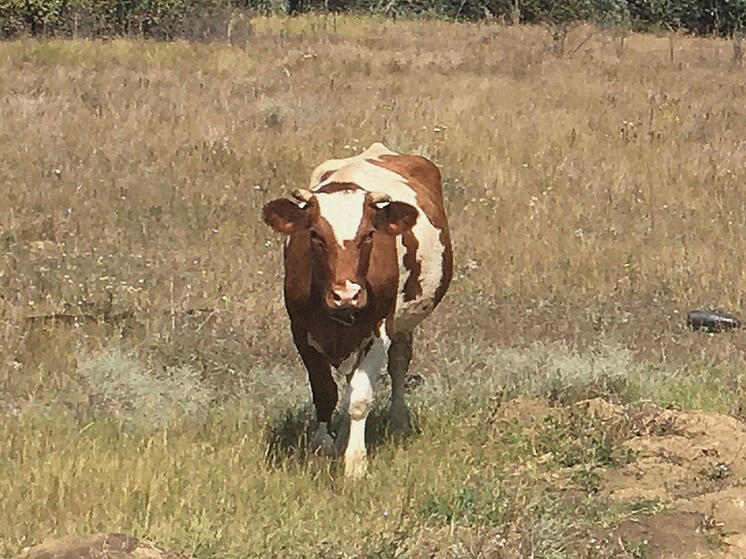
(344, 212)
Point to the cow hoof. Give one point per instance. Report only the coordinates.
(322, 443)
(399, 419)
(356, 466)
(343, 436)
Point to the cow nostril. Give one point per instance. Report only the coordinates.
(336, 296)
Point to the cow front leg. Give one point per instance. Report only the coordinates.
(360, 389)
(400, 355)
(324, 391)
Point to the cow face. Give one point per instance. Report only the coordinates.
(340, 224)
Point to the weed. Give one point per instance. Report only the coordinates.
(635, 548)
(468, 503)
(712, 528)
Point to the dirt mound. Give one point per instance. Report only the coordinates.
(694, 464)
(687, 469)
(522, 409)
(99, 546)
(679, 455)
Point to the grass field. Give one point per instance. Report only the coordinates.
(148, 383)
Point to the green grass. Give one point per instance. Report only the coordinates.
(210, 491)
(237, 481)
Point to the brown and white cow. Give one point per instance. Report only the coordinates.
(367, 258)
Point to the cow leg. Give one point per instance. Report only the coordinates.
(360, 392)
(324, 391)
(400, 354)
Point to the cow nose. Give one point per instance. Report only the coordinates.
(347, 294)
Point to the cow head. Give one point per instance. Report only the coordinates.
(340, 223)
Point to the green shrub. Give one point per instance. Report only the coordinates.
(694, 16)
(160, 19)
(121, 386)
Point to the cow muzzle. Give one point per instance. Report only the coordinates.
(344, 302)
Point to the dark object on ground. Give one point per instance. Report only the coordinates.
(99, 546)
(711, 321)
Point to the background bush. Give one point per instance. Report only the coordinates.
(159, 19)
(210, 19)
(119, 385)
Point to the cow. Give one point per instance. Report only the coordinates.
(367, 257)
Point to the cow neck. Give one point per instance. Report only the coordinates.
(338, 340)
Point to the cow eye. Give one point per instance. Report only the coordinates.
(368, 237)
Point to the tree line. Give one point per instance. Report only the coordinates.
(206, 19)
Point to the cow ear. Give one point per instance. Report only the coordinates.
(284, 216)
(395, 218)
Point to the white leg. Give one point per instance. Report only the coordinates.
(343, 432)
(361, 399)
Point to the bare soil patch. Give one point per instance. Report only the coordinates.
(98, 546)
(693, 464)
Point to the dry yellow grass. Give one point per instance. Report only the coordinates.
(590, 177)
(591, 197)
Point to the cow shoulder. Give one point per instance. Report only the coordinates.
(422, 174)
(383, 274)
(324, 171)
(423, 177)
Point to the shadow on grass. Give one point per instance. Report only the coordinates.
(290, 429)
